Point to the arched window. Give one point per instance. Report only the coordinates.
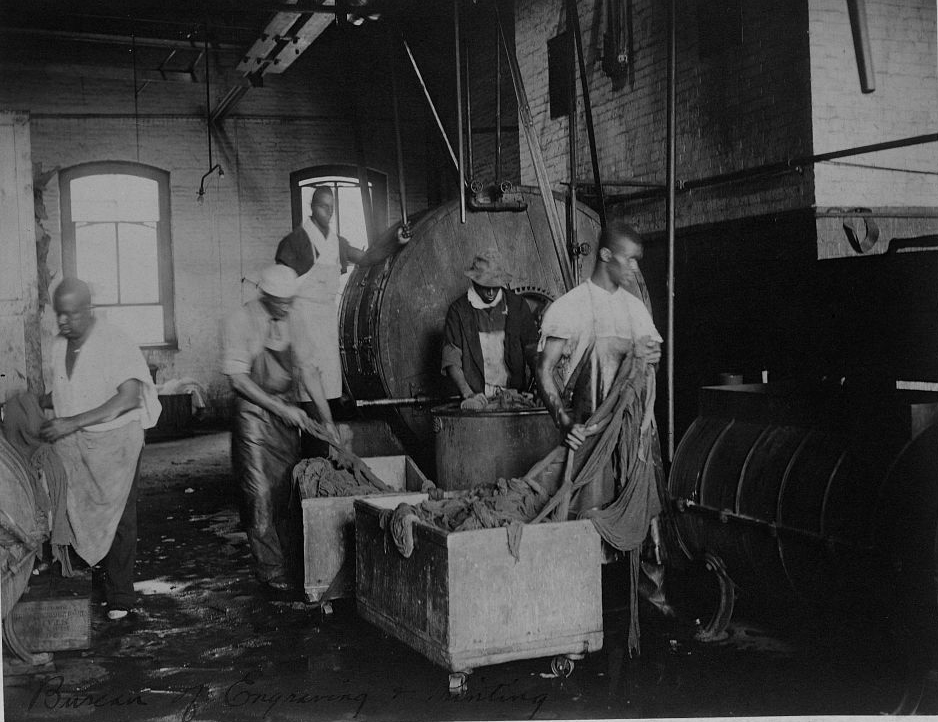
(116, 236)
(349, 218)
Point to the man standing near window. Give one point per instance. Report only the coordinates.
(317, 254)
(103, 399)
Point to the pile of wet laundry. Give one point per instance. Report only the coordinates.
(509, 503)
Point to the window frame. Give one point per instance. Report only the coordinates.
(164, 247)
(376, 179)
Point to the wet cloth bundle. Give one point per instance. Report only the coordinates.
(508, 503)
(22, 419)
(511, 400)
(328, 477)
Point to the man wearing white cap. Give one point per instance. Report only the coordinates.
(267, 356)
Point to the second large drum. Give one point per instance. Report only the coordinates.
(392, 314)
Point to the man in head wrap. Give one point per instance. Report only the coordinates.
(269, 359)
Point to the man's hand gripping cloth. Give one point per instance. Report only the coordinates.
(624, 424)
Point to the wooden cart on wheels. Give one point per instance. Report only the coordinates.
(329, 531)
(462, 600)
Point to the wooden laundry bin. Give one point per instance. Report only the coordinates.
(329, 530)
(463, 601)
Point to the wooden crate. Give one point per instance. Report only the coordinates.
(329, 530)
(51, 625)
(463, 601)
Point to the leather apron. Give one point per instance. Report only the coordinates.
(264, 451)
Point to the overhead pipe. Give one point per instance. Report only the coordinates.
(131, 40)
(470, 165)
(792, 164)
(498, 111)
(426, 94)
(399, 146)
(861, 44)
(460, 136)
(572, 243)
(672, 152)
(212, 167)
(573, 23)
(537, 157)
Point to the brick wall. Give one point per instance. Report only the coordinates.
(296, 121)
(740, 108)
(904, 104)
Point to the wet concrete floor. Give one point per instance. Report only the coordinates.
(206, 643)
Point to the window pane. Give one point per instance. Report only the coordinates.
(96, 255)
(115, 197)
(352, 216)
(144, 324)
(139, 268)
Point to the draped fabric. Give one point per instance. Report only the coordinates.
(22, 419)
(625, 432)
(20, 536)
(100, 468)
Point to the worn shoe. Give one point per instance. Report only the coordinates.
(116, 613)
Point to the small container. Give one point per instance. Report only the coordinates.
(731, 379)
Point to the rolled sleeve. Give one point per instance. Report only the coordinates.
(304, 347)
(557, 323)
(452, 356)
(237, 356)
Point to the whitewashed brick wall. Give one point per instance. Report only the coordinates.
(286, 126)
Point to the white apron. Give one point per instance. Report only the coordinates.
(316, 303)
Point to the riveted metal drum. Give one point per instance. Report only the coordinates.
(811, 500)
(392, 314)
(478, 447)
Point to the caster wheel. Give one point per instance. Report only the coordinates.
(561, 666)
(326, 608)
(458, 683)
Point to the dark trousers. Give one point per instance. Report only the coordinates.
(264, 452)
(119, 562)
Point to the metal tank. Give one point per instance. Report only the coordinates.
(392, 314)
(479, 447)
(816, 502)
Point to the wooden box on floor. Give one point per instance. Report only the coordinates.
(53, 614)
(463, 601)
(51, 625)
(329, 530)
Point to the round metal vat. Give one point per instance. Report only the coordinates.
(827, 504)
(392, 314)
(475, 448)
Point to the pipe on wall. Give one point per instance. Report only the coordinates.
(861, 44)
(672, 149)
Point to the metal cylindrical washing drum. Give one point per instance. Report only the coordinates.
(475, 448)
(392, 314)
(829, 508)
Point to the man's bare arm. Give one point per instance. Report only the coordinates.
(126, 399)
(551, 394)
